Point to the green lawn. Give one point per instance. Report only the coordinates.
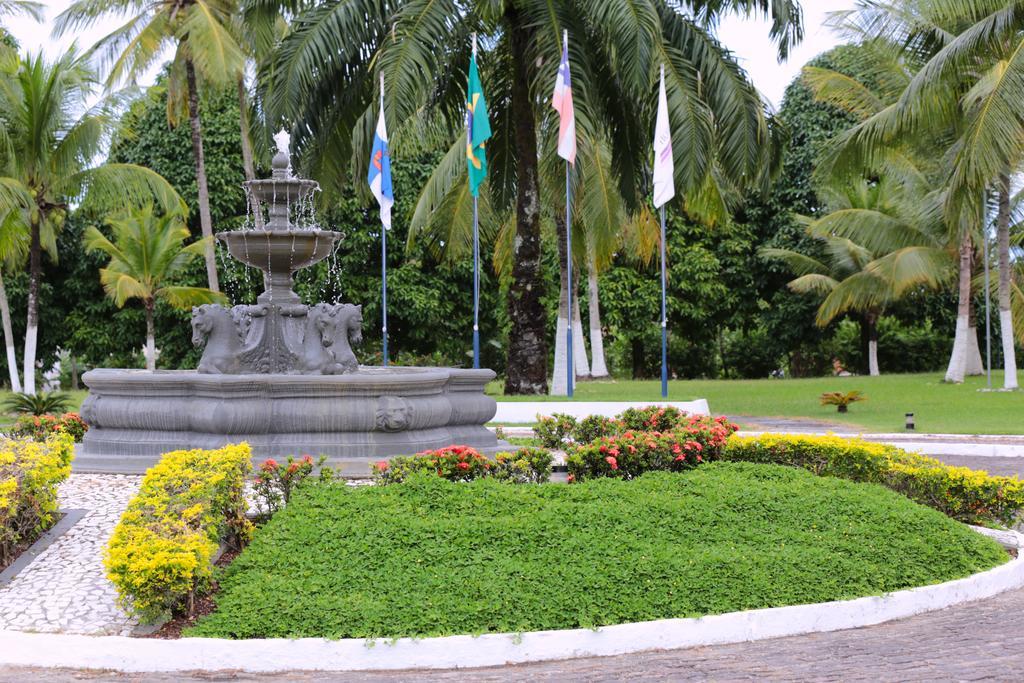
(431, 557)
(938, 407)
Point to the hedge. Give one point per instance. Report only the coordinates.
(964, 494)
(160, 557)
(30, 472)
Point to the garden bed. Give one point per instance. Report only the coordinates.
(429, 557)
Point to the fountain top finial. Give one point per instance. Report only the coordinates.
(282, 160)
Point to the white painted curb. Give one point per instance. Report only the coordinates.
(523, 412)
(136, 655)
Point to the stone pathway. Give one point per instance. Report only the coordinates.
(65, 589)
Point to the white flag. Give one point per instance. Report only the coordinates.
(664, 179)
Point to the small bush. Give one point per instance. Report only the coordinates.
(593, 427)
(274, 484)
(652, 418)
(553, 431)
(41, 427)
(39, 403)
(30, 472)
(841, 400)
(160, 557)
(462, 463)
(525, 466)
(964, 494)
(454, 463)
(628, 455)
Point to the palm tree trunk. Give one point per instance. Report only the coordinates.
(12, 357)
(528, 347)
(1005, 314)
(579, 345)
(973, 364)
(248, 166)
(559, 378)
(150, 337)
(205, 222)
(35, 270)
(958, 358)
(598, 367)
(871, 320)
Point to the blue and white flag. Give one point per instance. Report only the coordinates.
(379, 176)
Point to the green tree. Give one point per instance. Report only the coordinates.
(206, 53)
(47, 163)
(323, 78)
(146, 253)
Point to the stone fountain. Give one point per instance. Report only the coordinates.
(280, 374)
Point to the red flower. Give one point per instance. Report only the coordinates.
(603, 449)
(463, 465)
(307, 459)
(571, 478)
(382, 465)
(632, 448)
(613, 462)
(268, 465)
(293, 467)
(683, 457)
(676, 449)
(614, 451)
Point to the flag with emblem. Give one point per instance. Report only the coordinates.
(478, 129)
(379, 175)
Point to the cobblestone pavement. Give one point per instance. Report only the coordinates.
(983, 640)
(64, 589)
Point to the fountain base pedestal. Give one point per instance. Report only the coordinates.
(354, 419)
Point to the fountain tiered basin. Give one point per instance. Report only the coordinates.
(282, 375)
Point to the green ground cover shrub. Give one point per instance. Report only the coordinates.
(964, 494)
(160, 556)
(431, 557)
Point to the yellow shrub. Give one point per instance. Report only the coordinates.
(30, 472)
(160, 556)
(964, 494)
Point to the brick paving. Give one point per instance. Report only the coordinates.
(983, 640)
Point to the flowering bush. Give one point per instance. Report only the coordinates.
(41, 427)
(554, 430)
(697, 439)
(275, 482)
(454, 463)
(593, 427)
(30, 471)
(462, 463)
(525, 466)
(160, 556)
(652, 418)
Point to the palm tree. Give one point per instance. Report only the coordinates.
(13, 250)
(205, 54)
(48, 152)
(322, 78)
(879, 243)
(147, 251)
(964, 94)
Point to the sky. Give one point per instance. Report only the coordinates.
(747, 38)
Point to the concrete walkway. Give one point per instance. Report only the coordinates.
(975, 641)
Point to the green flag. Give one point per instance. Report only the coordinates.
(478, 129)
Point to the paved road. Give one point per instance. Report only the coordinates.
(977, 641)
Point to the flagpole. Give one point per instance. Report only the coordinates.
(476, 255)
(664, 318)
(384, 262)
(570, 367)
(570, 370)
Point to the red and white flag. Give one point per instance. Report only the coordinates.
(664, 170)
(561, 100)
